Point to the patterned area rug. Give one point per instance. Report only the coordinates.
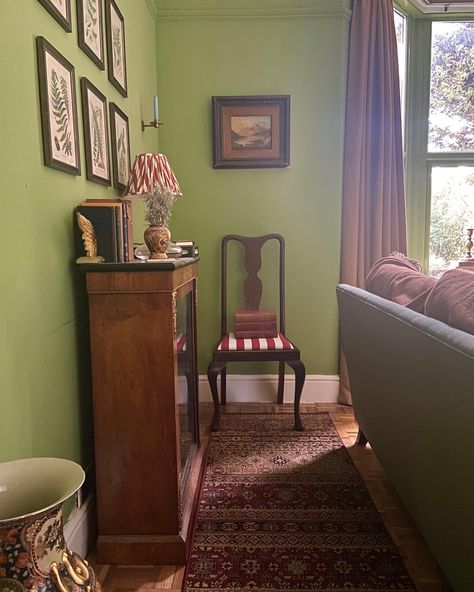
(284, 510)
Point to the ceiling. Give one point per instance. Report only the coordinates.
(444, 6)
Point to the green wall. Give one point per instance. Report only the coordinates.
(211, 47)
(45, 388)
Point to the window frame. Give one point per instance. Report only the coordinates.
(420, 162)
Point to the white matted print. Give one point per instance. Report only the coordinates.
(90, 30)
(94, 110)
(58, 109)
(60, 10)
(120, 147)
(116, 54)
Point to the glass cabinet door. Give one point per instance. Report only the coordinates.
(187, 383)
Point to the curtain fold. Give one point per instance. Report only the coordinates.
(373, 200)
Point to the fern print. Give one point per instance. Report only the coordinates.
(60, 108)
(97, 139)
(122, 158)
(91, 29)
(117, 49)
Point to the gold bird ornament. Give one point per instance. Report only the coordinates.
(90, 241)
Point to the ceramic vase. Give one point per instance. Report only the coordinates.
(157, 239)
(33, 553)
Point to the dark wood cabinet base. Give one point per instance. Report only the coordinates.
(141, 549)
(158, 549)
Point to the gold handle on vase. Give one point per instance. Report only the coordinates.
(79, 573)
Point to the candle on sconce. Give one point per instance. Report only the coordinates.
(155, 108)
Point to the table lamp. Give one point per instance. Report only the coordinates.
(153, 178)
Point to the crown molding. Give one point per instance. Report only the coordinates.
(152, 8)
(250, 14)
(443, 7)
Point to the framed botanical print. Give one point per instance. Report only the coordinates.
(251, 132)
(57, 88)
(61, 11)
(90, 28)
(119, 133)
(96, 136)
(116, 57)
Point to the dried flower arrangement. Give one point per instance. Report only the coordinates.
(159, 203)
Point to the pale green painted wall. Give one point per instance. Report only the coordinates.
(45, 402)
(200, 56)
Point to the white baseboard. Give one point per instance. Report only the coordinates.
(80, 530)
(262, 388)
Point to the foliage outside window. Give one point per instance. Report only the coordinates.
(451, 142)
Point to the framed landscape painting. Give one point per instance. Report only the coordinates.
(120, 147)
(61, 11)
(96, 136)
(57, 88)
(251, 131)
(116, 56)
(90, 28)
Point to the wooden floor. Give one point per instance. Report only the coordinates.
(416, 555)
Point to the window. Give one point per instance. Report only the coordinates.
(451, 142)
(401, 33)
(452, 211)
(451, 121)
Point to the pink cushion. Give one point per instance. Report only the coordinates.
(399, 279)
(452, 300)
(230, 343)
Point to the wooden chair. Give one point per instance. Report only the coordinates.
(278, 349)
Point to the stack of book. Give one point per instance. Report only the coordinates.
(255, 323)
(112, 222)
(189, 248)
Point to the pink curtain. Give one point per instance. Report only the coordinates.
(373, 201)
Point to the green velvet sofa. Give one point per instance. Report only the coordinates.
(412, 383)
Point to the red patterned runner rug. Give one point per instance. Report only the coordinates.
(285, 510)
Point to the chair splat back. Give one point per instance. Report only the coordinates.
(252, 287)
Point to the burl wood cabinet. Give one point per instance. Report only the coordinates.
(145, 394)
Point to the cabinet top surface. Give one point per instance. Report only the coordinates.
(158, 265)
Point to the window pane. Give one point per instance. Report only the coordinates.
(452, 212)
(401, 32)
(451, 119)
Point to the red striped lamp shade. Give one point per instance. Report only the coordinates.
(149, 170)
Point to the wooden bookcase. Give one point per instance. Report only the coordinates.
(149, 461)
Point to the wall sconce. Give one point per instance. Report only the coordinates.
(155, 123)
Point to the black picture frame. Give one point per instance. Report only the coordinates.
(57, 91)
(116, 47)
(64, 20)
(251, 131)
(120, 141)
(90, 32)
(96, 133)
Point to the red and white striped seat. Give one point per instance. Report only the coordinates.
(230, 343)
(181, 345)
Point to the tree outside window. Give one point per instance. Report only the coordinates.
(450, 140)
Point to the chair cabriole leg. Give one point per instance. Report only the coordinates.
(300, 374)
(224, 386)
(212, 374)
(281, 382)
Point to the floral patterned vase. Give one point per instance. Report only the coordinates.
(33, 553)
(157, 239)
